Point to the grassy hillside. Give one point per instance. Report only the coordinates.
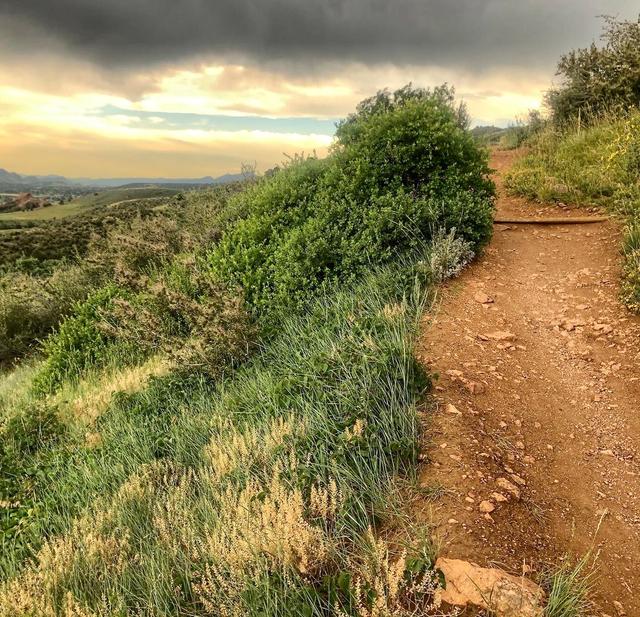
(589, 151)
(112, 196)
(64, 238)
(85, 202)
(220, 421)
(488, 135)
(594, 165)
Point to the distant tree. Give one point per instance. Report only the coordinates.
(248, 169)
(598, 79)
(272, 171)
(535, 122)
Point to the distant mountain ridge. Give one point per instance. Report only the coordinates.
(8, 178)
(15, 178)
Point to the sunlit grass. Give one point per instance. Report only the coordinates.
(88, 398)
(258, 490)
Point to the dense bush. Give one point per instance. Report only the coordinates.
(127, 249)
(197, 324)
(132, 249)
(181, 313)
(15, 224)
(403, 165)
(600, 79)
(79, 343)
(31, 305)
(44, 274)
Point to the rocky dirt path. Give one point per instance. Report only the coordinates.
(534, 447)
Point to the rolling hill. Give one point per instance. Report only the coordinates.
(86, 202)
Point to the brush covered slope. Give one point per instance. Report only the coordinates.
(259, 352)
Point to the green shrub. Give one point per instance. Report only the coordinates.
(132, 249)
(32, 266)
(599, 79)
(405, 141)
(447, 256)
(38, 293)
(195, 322)
(78, 343)
(631, 249)
(402, 167)
(24, 314)
(32, 305)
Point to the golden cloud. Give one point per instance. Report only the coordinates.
(48, 129)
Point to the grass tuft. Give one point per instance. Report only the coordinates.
(568, 588)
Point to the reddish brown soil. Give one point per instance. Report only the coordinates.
(558, 412)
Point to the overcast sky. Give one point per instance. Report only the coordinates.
(193, 87)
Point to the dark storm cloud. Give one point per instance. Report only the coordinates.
(476, 34)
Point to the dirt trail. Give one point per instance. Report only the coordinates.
(554, 409)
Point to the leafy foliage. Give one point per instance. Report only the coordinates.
(197, 324)
(600, 79)
(78, 344)
(402, 166)
(129, 249)
(448, 255)
(32, 303)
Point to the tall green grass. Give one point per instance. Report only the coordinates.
(631, 249)
(568, 589)
(308, 438)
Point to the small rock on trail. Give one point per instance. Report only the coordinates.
(501, 336)
(486, 507)
(482, 298)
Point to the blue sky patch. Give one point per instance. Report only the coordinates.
(218, 122)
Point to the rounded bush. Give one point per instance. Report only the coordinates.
(402, 167)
